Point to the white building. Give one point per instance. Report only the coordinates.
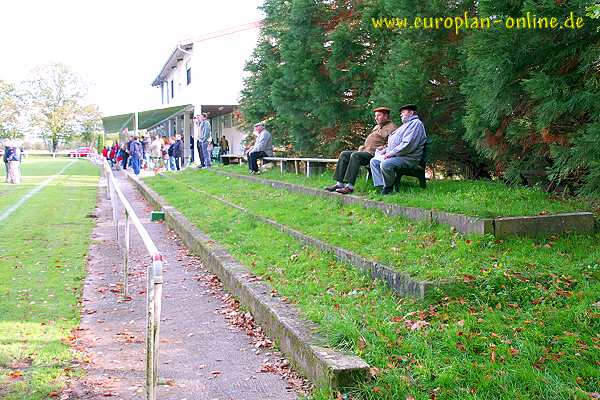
(206, 74)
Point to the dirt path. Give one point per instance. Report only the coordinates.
(208, 348)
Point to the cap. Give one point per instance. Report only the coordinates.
(259, 124)
(382, 109)
(408, 107)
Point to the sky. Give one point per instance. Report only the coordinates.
(118, 47)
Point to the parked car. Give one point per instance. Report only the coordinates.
(80, 152)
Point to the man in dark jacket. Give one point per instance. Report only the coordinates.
(5, 159)
(127, 153)
(178, 152)
(350, 161)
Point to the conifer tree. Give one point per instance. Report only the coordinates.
(533, 96)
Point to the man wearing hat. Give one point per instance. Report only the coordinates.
(263, 147)
(350, 161)
(404, 149)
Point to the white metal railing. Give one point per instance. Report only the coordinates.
(154, 271)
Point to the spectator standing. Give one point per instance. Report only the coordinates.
(14, 163)
(146, 150)
(168, 154)
(136, 154)
(205, 136)
(121, 157)
(178, 152)
(5, 157)
(155, 152)
(224, 145)
(127, 152)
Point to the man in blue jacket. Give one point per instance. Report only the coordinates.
(136, 153)
(404, 149)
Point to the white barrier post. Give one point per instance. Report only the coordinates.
(150, 384)
(154, 297)
(126, 256)
(157, 303)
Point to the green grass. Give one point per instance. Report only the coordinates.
(483, 198)
(33, 173)
(424, 250)
(518, 328)
(43, 247)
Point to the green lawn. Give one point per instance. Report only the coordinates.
(43, 248)
(424, 250)
(523, 324)
(475, 198)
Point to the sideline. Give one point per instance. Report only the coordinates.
(42, 185)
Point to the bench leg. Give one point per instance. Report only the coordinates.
(397, 182)
(281, 166)
(308, 169)
(422, 181)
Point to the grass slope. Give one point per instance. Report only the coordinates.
(518, 328)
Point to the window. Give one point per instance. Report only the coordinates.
(188, 75)
(172, 89)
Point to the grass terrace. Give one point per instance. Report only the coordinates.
(42, 266)
(486, 199)
(424, 250)
(520, 322)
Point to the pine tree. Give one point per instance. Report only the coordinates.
(303, 94)
(533, 96)
(256, 101)
(425, 67)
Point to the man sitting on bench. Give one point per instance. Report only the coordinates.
(404, 150)
(350, 161)
(263, 147)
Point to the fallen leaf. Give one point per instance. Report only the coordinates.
(15, 374)
(362, 343)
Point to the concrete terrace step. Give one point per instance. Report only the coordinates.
(500, 227)
(296, 336)
(400, 282)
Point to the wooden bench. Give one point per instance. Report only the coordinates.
(233, 157)
(417, 171)
(307, 161)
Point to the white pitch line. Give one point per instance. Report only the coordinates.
(42, 185)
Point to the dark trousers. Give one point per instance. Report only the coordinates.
(253, 158)
(178, 163)
(200, 153)
(348, 165)
(125, 159)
